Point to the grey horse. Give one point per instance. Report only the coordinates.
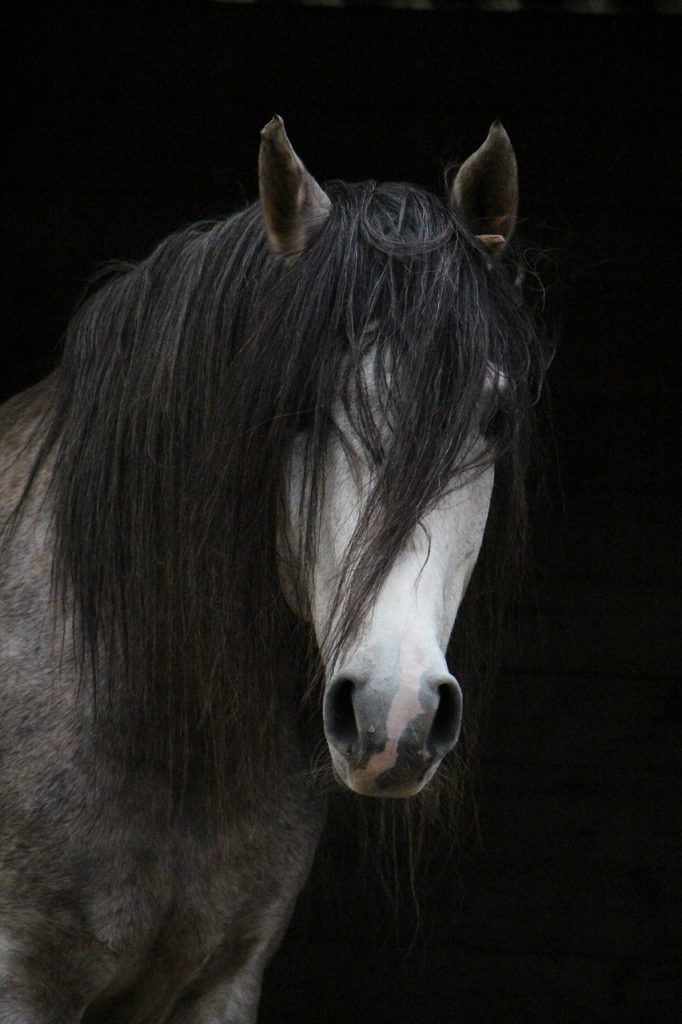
(237, 524)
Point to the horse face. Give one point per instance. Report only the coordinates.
(392, 710)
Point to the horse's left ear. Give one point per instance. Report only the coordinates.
(485, 192)
(294, 206)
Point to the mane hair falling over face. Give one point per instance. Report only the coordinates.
(185, 382)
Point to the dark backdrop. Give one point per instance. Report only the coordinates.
(126, 122)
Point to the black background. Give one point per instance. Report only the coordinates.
(128, 121)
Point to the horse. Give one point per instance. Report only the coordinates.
(238, 524)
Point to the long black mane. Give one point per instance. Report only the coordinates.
(183, 384)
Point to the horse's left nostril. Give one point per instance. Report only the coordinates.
(444, 731)
(339, 713)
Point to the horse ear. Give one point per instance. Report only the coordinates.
(485, 192)
(294, 206)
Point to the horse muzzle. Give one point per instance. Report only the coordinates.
(387, 739)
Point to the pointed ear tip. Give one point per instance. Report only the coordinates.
(497, 128)
(274, 124)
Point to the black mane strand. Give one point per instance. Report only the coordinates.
(184, 382)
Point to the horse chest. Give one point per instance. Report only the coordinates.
(196, 906)
(184, 881)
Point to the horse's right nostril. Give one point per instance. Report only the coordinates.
(447, 720)
(339, 714)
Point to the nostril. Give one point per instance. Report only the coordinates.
(444, 731)
(339, 713)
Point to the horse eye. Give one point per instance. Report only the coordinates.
(493, 426)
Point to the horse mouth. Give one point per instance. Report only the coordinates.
(382, 792)
(397, 783)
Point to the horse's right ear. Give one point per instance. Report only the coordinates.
(485, 192)
(294, 206)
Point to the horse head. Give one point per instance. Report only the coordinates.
(391, 707)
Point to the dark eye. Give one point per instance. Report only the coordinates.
(494, 425)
